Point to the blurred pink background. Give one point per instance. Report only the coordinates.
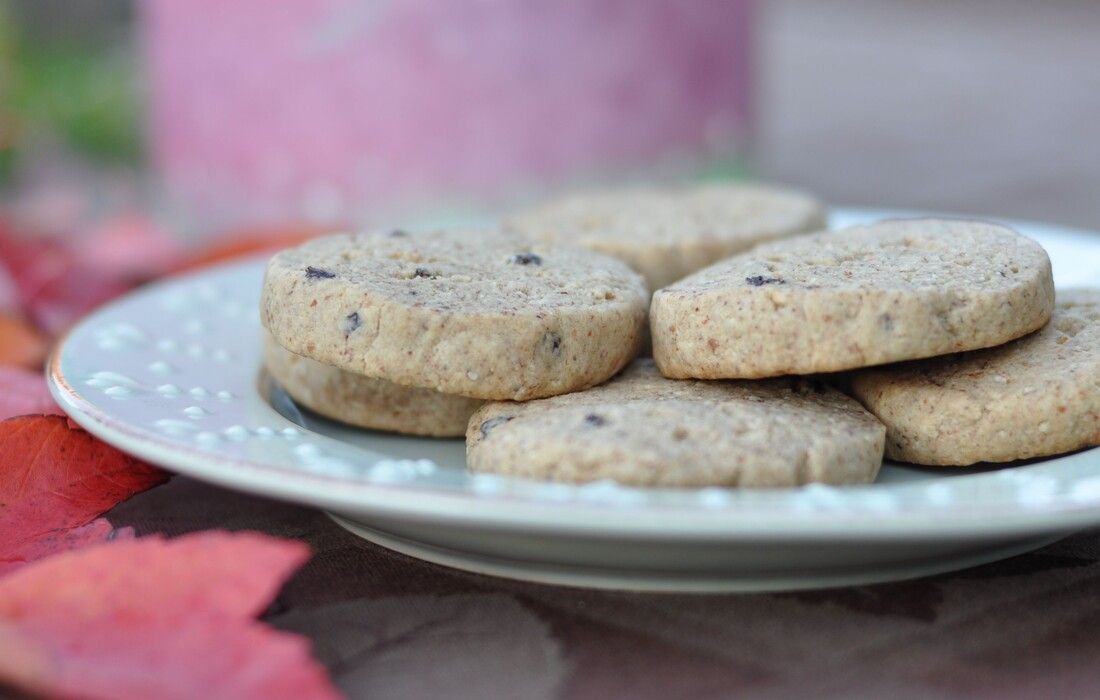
(345, 108)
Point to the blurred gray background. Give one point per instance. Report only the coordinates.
(982, 106)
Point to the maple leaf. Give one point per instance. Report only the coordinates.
(157, 618)
(9, 297)
(20, 344)
(98, 531)
(65, 299)
(129, 246)
(55, 477)
(53, 284)
(23, 392)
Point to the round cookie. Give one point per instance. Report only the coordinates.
(1036, 396)
(479, 314)
(891, 291)
(644, 430)
(666, 234)
(365, 401)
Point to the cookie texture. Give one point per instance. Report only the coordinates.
(481, 314)
(1036, 396)
(365, 401)
(892, 291)
(666, 234)
(644, 430)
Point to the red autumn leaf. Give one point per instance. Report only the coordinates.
(23, 392)
(54, 477)
(65, 299)
(9, 296)
(95, 532)
(129, 246)
(157, 618)
(241, 242)
(32, 261)
(20, 344)
(54, 285)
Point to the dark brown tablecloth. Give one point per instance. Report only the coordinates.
(393, 627)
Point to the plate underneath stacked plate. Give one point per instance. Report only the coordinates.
(172, 374)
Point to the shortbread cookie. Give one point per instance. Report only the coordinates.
(365, 401)
(479, 314)
(1036, 396)
(645, 430)
(868, 295)
(668, 233)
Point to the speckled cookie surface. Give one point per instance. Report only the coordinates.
(479, 314)
(642, 429)
(892, 291)
(365, 401)
(666, 234)
(1036, 396)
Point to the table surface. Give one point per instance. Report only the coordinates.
(393, 627)
(882, 103)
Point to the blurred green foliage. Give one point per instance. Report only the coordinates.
(83, 94)
(7, 125)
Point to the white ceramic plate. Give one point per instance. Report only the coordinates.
(172, 374)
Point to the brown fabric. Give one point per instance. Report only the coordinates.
(392, 627)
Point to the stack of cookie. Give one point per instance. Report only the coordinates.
(515, 337)
(988, 367)
(411, 332)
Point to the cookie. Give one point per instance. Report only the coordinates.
(480, 314)
(365, 401)
(1036, 396)
(891, 291)
(666, 234)
(644, 430)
